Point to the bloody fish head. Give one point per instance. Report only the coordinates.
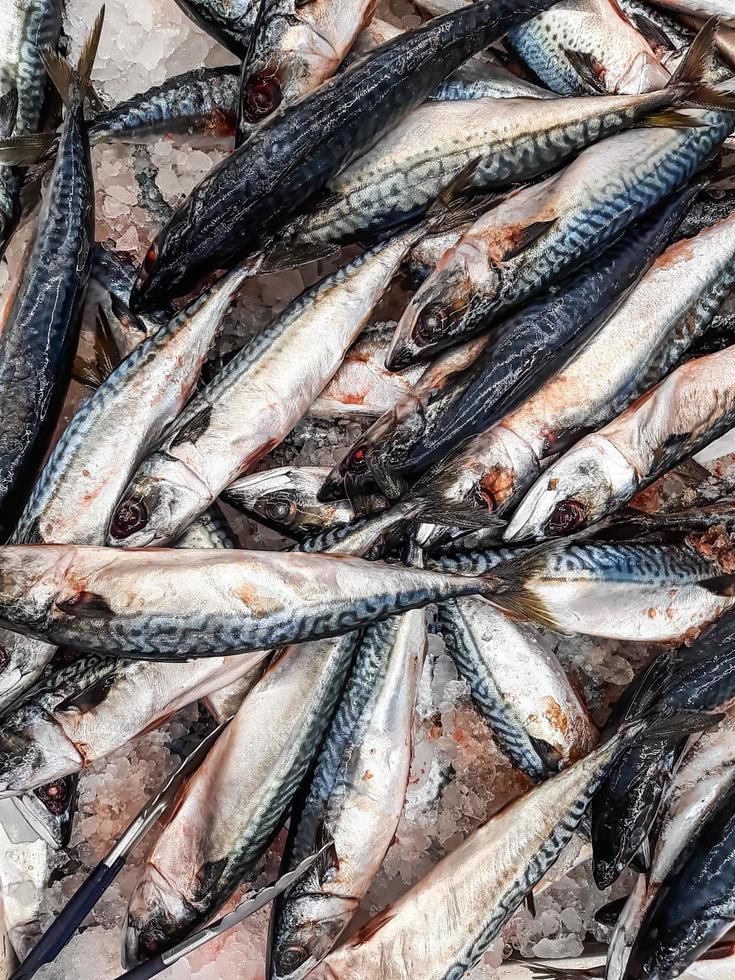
(261, 96)
(308, 927)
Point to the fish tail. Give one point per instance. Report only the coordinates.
(689, 78)
(507, 586)
(71, 82)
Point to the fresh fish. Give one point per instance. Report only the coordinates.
(442, 926)
(229, 21)
(224, 704)
(10, 180)
(640, 591)
(285, 499)
(295, 152)
(110, 280)
(517, 683)
(588, 47)
(667, 424)
(706, 771)
(635, 346)
(255, 401)
(111, 601)
(491, 143)
(50, 810)
(702, 8)
(39, 335)
(355, 796)
(539, 233)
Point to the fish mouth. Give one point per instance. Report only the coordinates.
(333, 488)
(158, 916)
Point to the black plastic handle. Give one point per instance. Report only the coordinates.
(151, 968)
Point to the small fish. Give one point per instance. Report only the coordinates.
(636, 344)
(539, 233)
(293, 154)
(519, 687)
(228, 21)
(669, 423)
(442, 926)
(285, 499)
(255, 401)
(354, 797)
(39, 335)
(703, 8)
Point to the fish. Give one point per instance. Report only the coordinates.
(669, 423)
(442, 926)
(293, 154)
(273, 380)
(653, 326)
(25, 869)
(50, 810)
(40, 329)
(518, 685)
(285, 499)
(538, 234)
(228, 21)
(642, 591)
(9, 178)
(588, 47)
(705, 772)
(702, 8)
(491, 144)
(355, 796)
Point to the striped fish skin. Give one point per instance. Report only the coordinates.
(355, 796)
(541, 232)
(228, 21)
(443, 925)
(105, 600)
(692, 407)
(285, 499)
(657, 321)
(325, 131)
(616, 57)
(255, 401)
(519, 687)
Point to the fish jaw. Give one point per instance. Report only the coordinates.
(312, 924)
(34, 754)
(162, 501)
(573, 493)
(157, 916)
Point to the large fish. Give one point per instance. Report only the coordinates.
(539, 233)
(633, 348)
(39, 334)
(355, 796)
(295, 152)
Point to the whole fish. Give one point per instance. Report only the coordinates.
(255, 401)
(355, 796)
(539, 233)
(493, 143)
(703, 8)
(442, 926)
(39, 335)
(588, 47)
(633, 348)
(640, 591)
(295, 152)
(229, 21)
(669, 423)
(519, 687)
(285, 499)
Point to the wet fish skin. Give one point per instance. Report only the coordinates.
(286, 500)
(214, 602)
(228, 21)
(355, 796)
(669, 423)
(519, 687)
(532, 237)
(273, 380)
(294, 154)
(703, 8)
(9, 177)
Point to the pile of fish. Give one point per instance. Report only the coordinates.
(551, 186)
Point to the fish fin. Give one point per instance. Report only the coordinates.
(658, 728)
(89, 50)
(463, 516)
(194, 428)
(608, 915)
(8, 111)
(90, 697)
(530, 902)
(106, 354)
(651, 32)
(690, 76)
(84, 372)
(670, 119)
(505, 585)
(588, 68)
(59, 71)
(528, 236)
(641, 860)
(690, 473)
(723, 585)
(287, 255)
(86, 605)
(66, 78)
(28, 148)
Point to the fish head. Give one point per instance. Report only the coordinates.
(51, 808)
(573, 493)
(158, 917)
(285, 499)
(308, 927)
(451, 304)
(163, 499)
(352, 478)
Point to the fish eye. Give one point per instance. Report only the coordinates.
(149, 943)
(430, 322)
(262, 96)
(357, 462)
(53, 796)
(149, 261)
(567, 516)
(291, 957)
(280, 510)
(130, 516)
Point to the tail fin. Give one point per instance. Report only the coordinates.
(506, 585)
(67, 79)
(698, 62)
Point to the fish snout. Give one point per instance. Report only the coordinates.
(157, 918)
